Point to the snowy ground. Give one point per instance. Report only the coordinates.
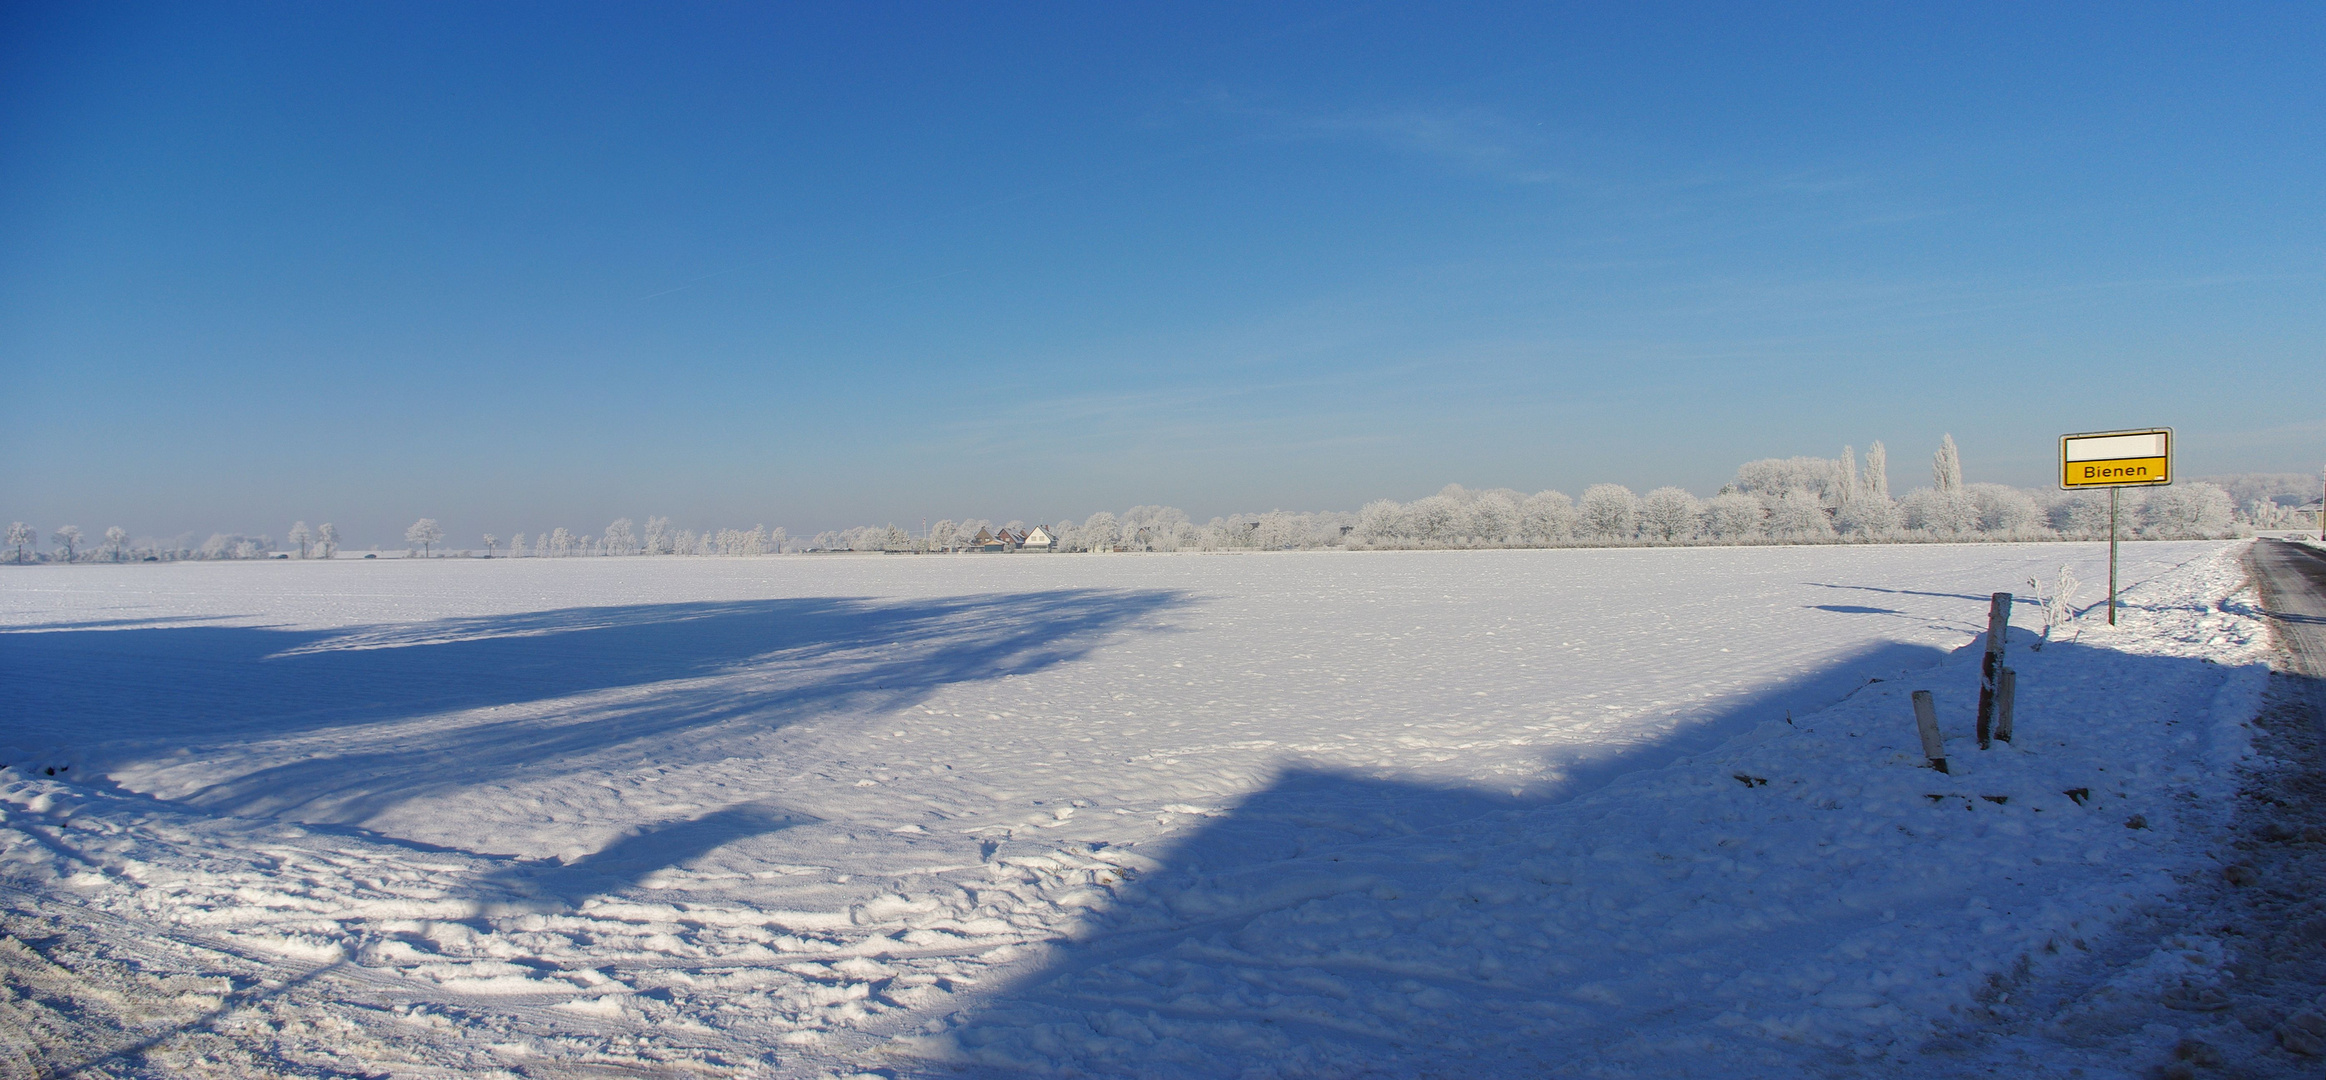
(1323, 814)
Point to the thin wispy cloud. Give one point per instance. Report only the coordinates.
(1471, 139)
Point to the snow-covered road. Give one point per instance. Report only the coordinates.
(1292, 814)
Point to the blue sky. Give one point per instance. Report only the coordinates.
(515, 266)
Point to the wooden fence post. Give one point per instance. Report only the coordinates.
(1926, 722)
(2006, 693)
(1991, 666)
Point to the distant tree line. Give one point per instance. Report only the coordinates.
(1771, 501)
(1795, 500)
(114, 545)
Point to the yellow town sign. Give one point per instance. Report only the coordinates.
(2116, 458)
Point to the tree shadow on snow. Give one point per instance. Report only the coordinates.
(620, 676)
(634, 857)
(1896, 592)
(1185, 970)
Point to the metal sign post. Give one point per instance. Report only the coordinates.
(2116, 460)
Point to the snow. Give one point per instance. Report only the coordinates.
(1621, 812)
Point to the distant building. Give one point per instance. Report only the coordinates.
(1039, 540)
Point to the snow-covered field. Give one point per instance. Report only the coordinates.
(1613, 812)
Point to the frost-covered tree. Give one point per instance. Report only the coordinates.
(1877, 481)
(776, 539)
(1159, 522)
(1939, 514)
(20, 537)
(1609, 512)
(941, 535)
(1669, 513)
(516, 545)
(1280, 531)
(1770, 478)
(1946, 467)
(1799, 515)
(492, 543)
(327, 539)
(1493, 518)
(1871, 514)
(657, 535)
(1101, 532)
(621, 537)
(1734, 516)
(67, 537)
(560, 542)
(425, 534)
(116, 543)
(2004, 511)
(2187, 510)
(1381, 523)
(1547, 517)
(300, 536)
(1434, 520)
